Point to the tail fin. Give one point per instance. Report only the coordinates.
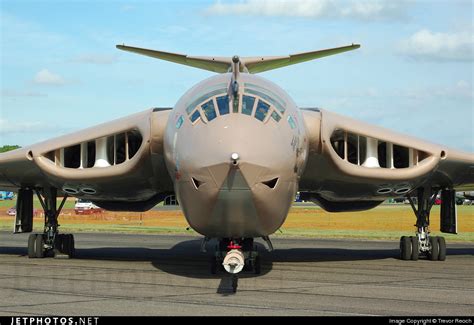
(249, 64)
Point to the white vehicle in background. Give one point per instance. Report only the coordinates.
(86, 207)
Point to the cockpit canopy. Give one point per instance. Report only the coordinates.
(254, 101)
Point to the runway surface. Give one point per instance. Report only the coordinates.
(117, 274)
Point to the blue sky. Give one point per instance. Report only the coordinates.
(60, 71)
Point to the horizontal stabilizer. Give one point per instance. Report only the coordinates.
(219, 65)
(261, 64)
(248, 64)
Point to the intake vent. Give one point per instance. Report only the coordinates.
(101, 152)
(271, 183)
(196, 183)
(374, 153)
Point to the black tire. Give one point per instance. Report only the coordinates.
(213, 265)
(72, 246)
(258, 265)
(68, 245)
(414, 248)
(434, 253)
(405, 248)
(32, 246)
(442, 249)
(39, 246)
(59, 242)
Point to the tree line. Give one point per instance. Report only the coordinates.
(8, 148)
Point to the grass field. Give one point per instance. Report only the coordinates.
(383, 222)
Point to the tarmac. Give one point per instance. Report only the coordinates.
(146, 275)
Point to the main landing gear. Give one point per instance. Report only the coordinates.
(50, 243)
(235, 256)
(423, 244)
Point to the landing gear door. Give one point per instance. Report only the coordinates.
(448, 214)
(24, 212)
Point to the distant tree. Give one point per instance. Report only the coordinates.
(8, 148)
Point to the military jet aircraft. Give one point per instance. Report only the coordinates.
(234, 150)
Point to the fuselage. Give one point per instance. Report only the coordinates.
(235, 160)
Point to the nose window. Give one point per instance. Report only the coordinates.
(223, 104)
(195, 116)
(276, 117)
(247, 105)
(262, 110)
(209, 110)
(254, 102)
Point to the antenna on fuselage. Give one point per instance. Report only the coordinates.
(234, 85)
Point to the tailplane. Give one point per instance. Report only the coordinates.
(248, 64)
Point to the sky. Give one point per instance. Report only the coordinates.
(60, 70)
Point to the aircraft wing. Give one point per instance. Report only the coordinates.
(358, 164)
(119, 164)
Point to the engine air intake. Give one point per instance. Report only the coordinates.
(98, 153)
(374, 153)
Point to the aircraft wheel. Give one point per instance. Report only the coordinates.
(67, 244)
(415, 248)
(71, 245)
(405, 248)
(258, 265)
(32, 246)
(442, 249)
(434, 253)
(213, 265)
(59, 243)
(39, 246)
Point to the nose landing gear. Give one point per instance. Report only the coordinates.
(235, 256)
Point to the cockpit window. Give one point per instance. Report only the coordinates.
(276, 116)
(291, 121)
(179, 122)
(262, 110)
(209, 110)
(247, 104)
(271, 99)
(195, 116)
(223, 104)
(202, 98)
(266, 103)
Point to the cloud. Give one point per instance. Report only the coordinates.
(7, 127)
(12, 93)
(460, 90)
(96, 59)
(46, 77)
(431, 46)
(315, 9)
